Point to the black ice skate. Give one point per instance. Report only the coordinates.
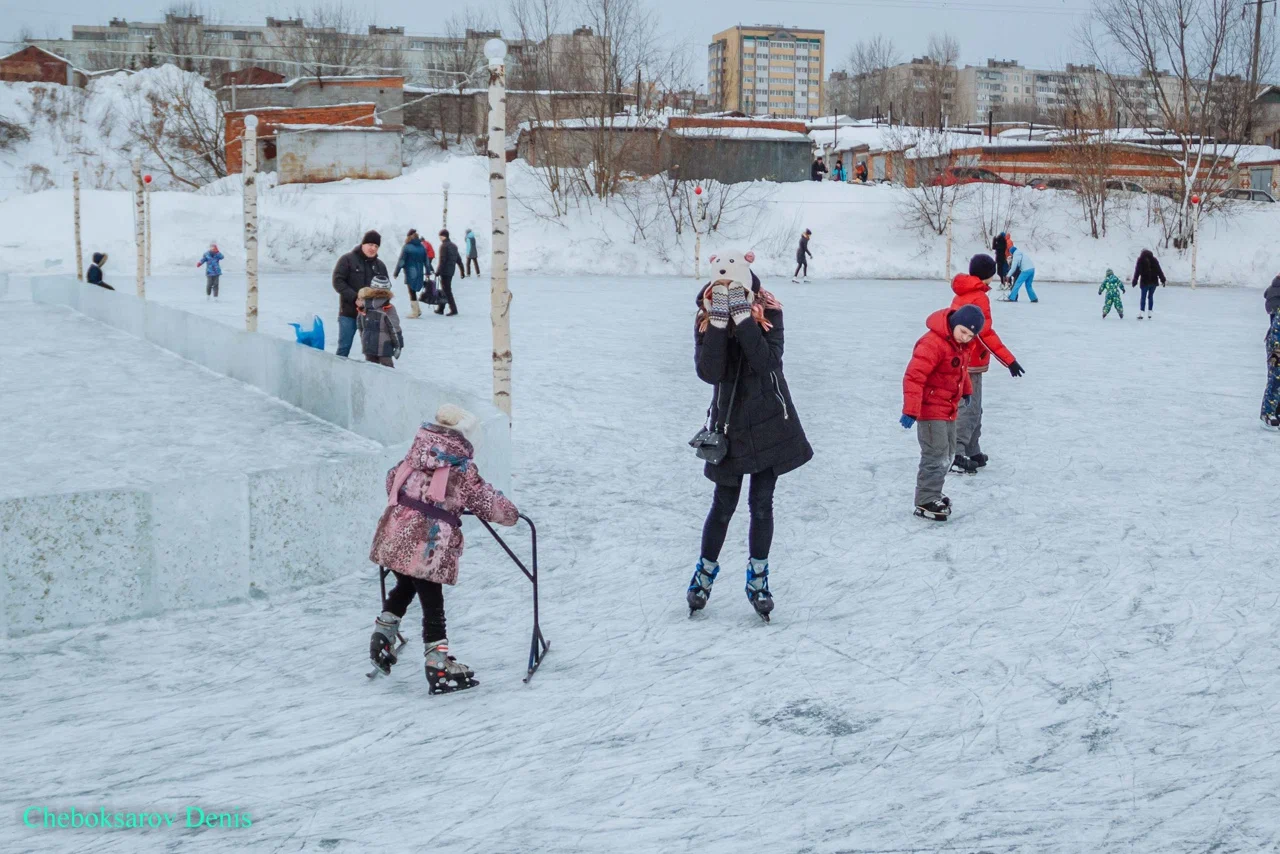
(1271, 422)
(445, 674)
(979, 460)
(934, 510)
(704, 575)
(385, 644)
(758, 588)
(963, 465)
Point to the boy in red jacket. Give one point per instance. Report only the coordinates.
(972, 290)
(933, 389)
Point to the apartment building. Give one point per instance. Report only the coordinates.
(290, 47)
(1001, 86)
(767, 69)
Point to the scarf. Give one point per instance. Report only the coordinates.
(764, 301)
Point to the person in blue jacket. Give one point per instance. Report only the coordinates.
(416, 265)
(838, 173)
(212, 271)
(1023, 272)
(473, 254)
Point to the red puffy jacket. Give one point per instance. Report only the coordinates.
(970, 290)
(938, 374)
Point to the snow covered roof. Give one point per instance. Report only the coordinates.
(1257, 154)
(46, 53)
(330, 81)
(851, 138)
(249, 110)
(615, 122)
(316, 127)
(741, 133)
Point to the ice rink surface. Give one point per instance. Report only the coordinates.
(87, 406)
(1082, 660)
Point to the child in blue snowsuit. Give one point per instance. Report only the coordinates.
(1113, 287)
(213, 270)
(1023, 272)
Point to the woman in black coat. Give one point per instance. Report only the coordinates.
(1148, 274)
(738, 341)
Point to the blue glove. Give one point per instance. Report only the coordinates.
(907, 421)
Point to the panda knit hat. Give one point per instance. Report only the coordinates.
(456, 418)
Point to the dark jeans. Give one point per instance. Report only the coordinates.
(1148, 301)
(211, 285)
(446, 284)
(346, 334)
(380, 360)
(725, 501)
(429, 593)
(473, 262)
(799, 266)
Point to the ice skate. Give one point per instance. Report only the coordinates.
(963, 465)
(758, 587)
(445, 674)
(704, 575)
(1140, 315)
(979, 460)
(795, 281)
(1271, 422)
(935, 511)
(946, 502)
(385, 643)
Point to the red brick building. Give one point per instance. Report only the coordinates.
(270, 118)
(36, 65)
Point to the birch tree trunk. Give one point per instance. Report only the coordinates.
(249, 157)
(499, 295)
(139, 228)
(75, 185)
(146, 198)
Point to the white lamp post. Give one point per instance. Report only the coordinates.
(444, 215)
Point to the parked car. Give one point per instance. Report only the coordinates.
(1126, 187)
(1062, 184)
(1248, 196)
(1037, 184)
(953, 175)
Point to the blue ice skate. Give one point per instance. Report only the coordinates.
(758, 587)
(704, 575)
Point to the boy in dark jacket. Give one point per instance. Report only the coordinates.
(94, 274)
(380, 336)
(1148, 274)
(355, 270)
(802, 256)
(450, 263)
(934, 387)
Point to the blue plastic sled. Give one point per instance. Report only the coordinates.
(313, 337)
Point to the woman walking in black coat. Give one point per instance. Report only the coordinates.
(1147, 273)
(738, 343)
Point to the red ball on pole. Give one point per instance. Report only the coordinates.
(146, 179)
(1195, 200)
(697, 191)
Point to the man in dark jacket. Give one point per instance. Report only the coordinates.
(94, 274)
(355, 270)
(1000, 246)
(449, 261)
(817, 170)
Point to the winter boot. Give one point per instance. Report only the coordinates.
(979, 460)
(963, 465)
(1271, 422)
(414, 311)
(704, 575)
(385, 642)
(936, 511)
(445, 674)
(758, 587)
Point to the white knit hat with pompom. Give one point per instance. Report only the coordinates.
(456, 418)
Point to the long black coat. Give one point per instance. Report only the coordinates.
(764, 428)
(448, 260)
(353, 272)
(1147, 271)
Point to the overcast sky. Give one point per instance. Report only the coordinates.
(1039, 33)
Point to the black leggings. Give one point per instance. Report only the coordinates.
(725, 501)
(799, 266)
(429, 593)
(446, 285)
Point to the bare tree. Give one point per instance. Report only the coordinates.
(1184, 49)
(332, 43)
(869, 64)
(180, 124)
(182, 39)
(939, 80)
(930, 204)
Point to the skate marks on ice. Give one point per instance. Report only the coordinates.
(1081, 661)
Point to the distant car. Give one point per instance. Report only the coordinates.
(1037, 184)
(1247, 196)
(1126, 187)
(1062, 184)
(953, 175)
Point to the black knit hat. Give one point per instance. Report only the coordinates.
(982, 265)
(372, 237)
(968, 316)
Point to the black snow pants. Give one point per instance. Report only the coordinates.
(429, 593)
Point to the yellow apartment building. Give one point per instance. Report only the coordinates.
(767, 69)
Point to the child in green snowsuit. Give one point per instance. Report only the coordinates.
(1114, 287)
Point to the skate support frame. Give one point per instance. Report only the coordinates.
(539, 645)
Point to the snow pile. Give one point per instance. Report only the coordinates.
(89, 129)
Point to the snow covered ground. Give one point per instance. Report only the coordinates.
(103, 409)
(1082, 660)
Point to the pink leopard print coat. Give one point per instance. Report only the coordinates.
(416, 545)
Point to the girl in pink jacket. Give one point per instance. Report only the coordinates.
(419, 538)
